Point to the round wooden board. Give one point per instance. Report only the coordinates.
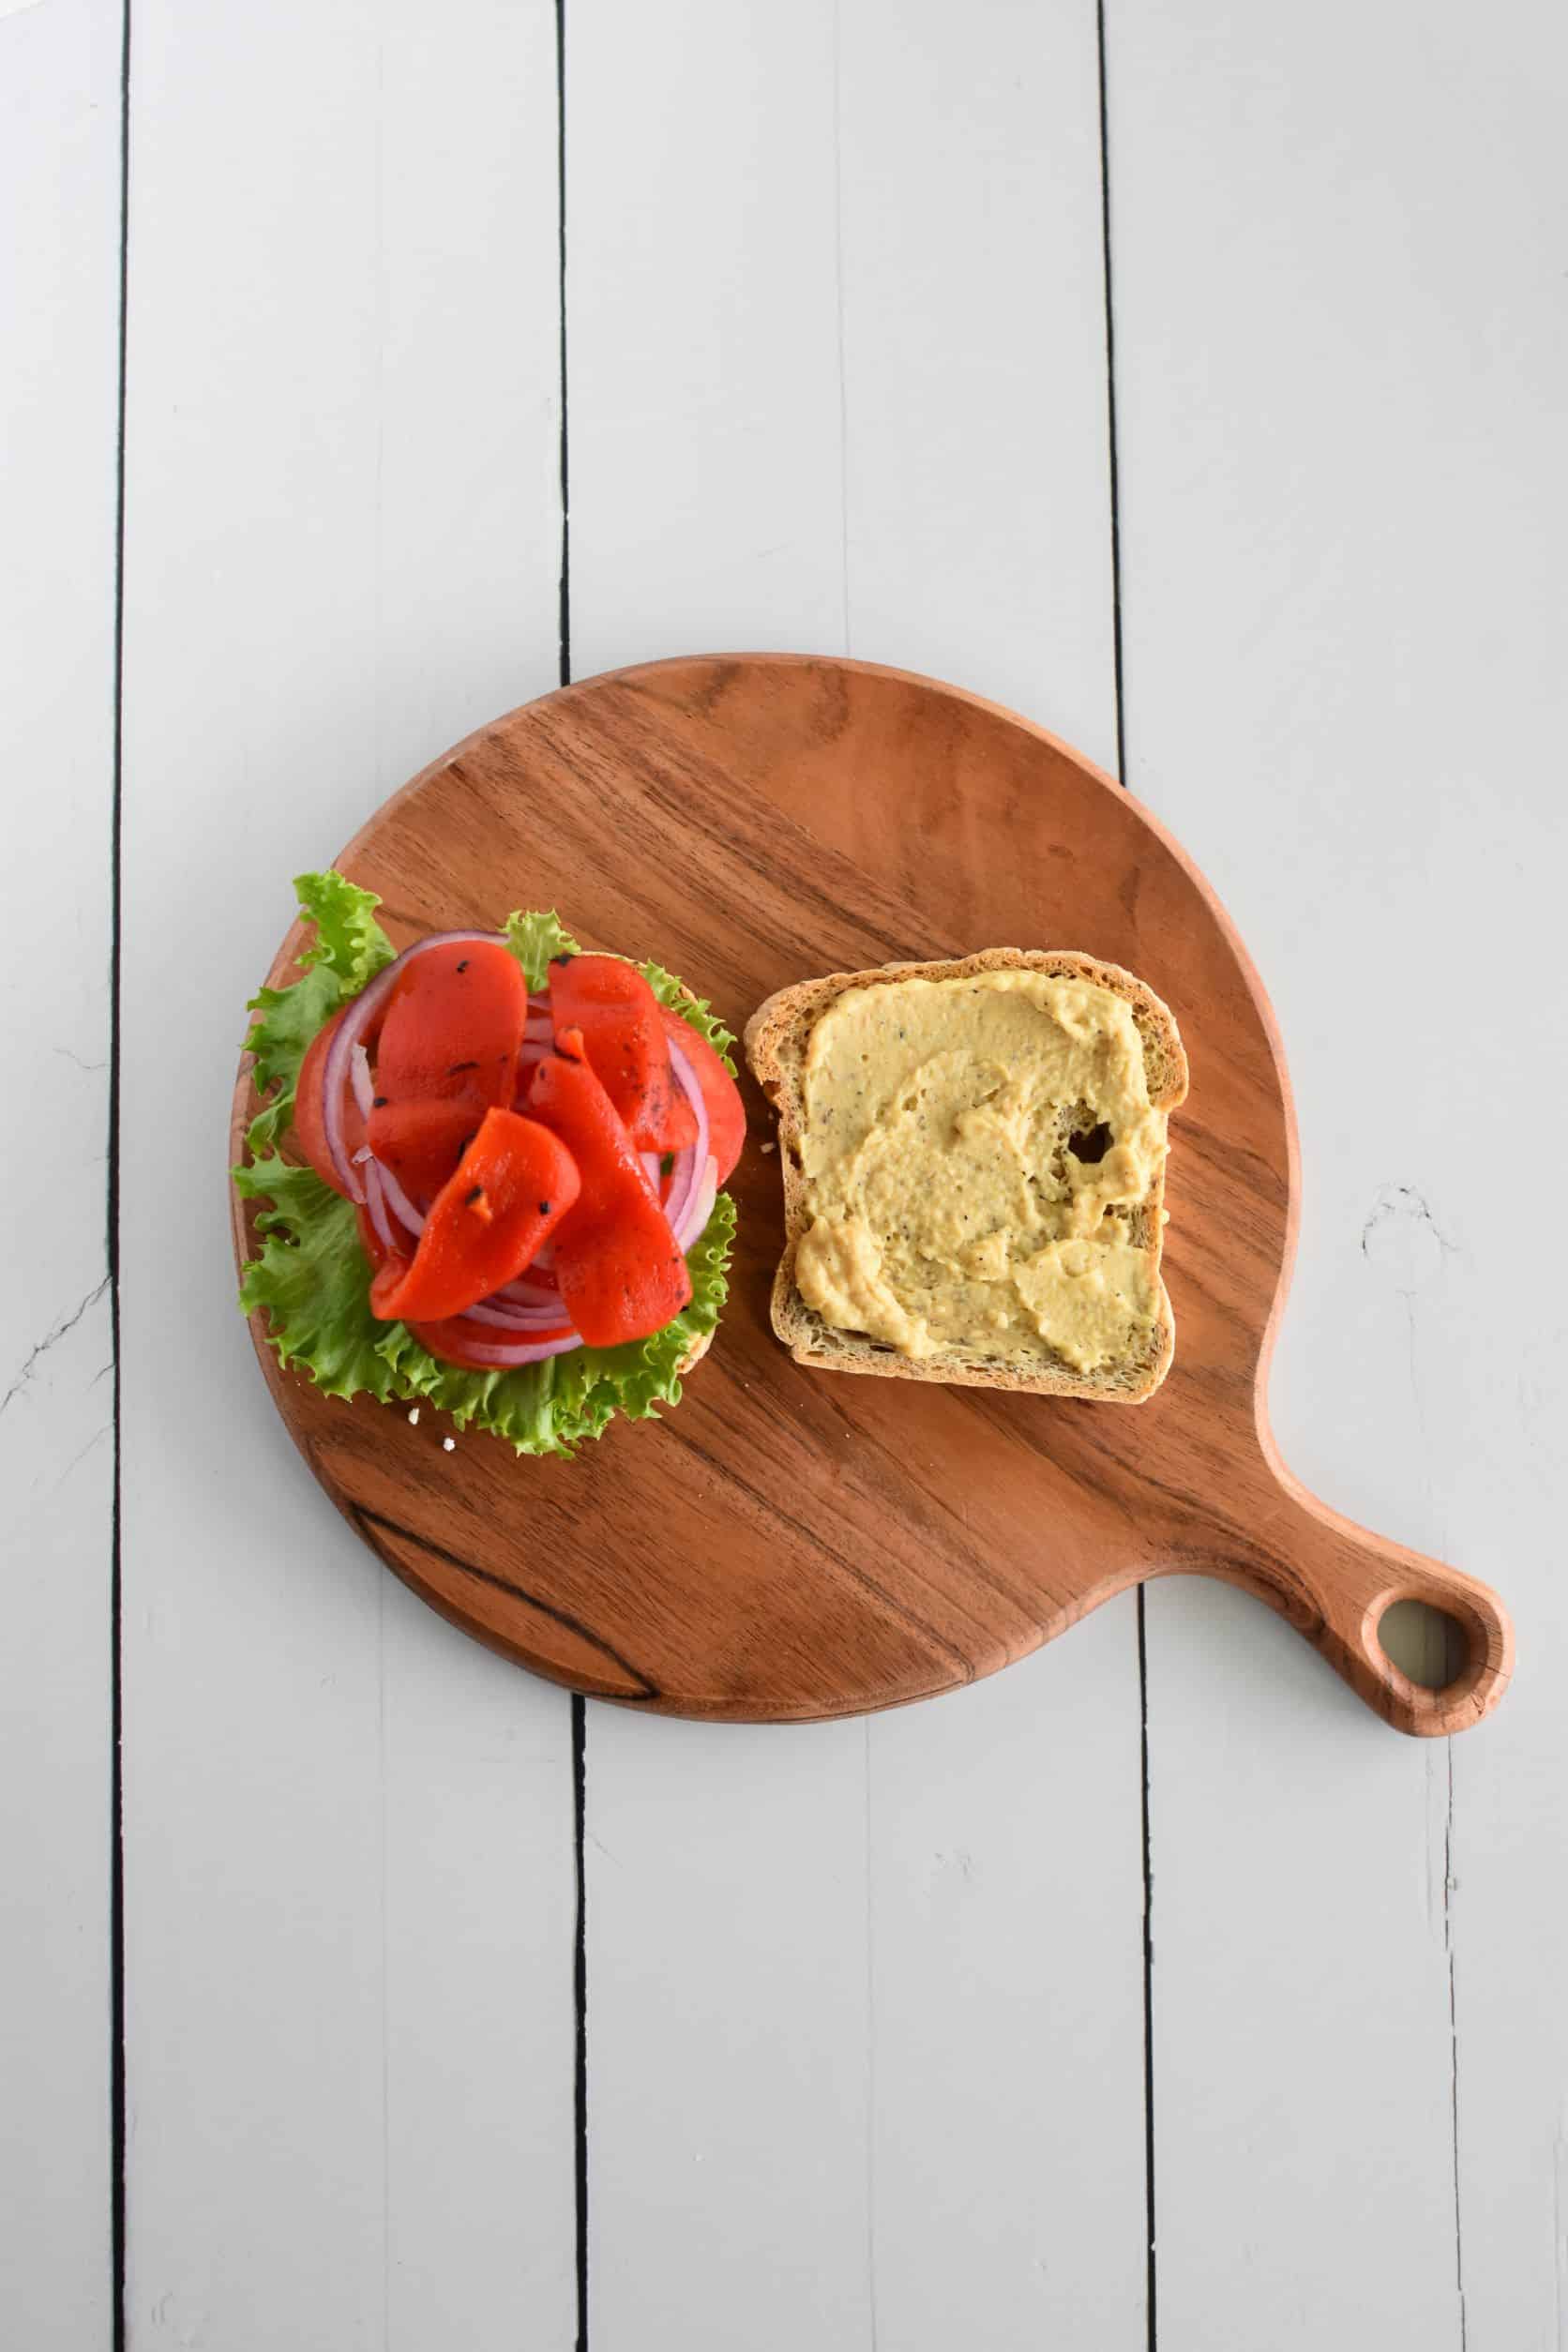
(791, 1543)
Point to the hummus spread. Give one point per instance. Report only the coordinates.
(947, 1210)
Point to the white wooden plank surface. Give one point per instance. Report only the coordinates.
(864, 2023)
(1338, 274)
(349, 1838)
(59, 327)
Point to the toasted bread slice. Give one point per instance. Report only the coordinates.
(777, 1039)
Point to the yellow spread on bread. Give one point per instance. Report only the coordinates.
(947, 1210)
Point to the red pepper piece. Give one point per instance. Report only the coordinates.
(516, 1183)
(624, 1038)
(310, 1131)
(619, 1272)
(422, 1140)
(453, 1027)
(721, 1096)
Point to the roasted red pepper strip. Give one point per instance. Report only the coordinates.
(516, 1183)
(454, 1339)
(620, 1274)
(422, 1140)
(310, 1132)
(624, 1038)
(721, 1096)
(449, 1037)
(453, 1027)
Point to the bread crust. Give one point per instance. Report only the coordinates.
(777, 1039)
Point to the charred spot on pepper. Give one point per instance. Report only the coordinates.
(462, 964)
(456, 1069)
(470, 1197)
(379, 1102)
(544, 1208)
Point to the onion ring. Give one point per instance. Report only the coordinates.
(398, 1202)
(540, 1322)
(362, 1083)
(699, 1209)
(687, 1173)
(505, 1358)
(375, 1203)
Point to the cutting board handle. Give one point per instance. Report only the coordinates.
(1334, 1580)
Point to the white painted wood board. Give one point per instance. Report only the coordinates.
(59, 333)
(348, 1866)
(1341, 375)
(865, 2001)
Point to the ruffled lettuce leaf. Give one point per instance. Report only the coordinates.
(314, 1280)
(535, 940)
(349, 941)
(695, 1009)
(310, 1278)
(347, 950)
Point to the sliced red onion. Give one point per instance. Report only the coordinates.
(687, 1172)
(699, 1209)
(506, 1357)
(398, 1202)
(361, 1079)
(376, 1204)
(352, 1030)
(544, 1260)
(652, 1163)
(527, 1294)
(538, 1320)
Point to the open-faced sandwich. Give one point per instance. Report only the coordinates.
(973, 1157)
(490, 1168)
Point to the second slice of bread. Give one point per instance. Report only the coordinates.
(778, 1037)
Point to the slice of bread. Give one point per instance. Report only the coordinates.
(777, 1040)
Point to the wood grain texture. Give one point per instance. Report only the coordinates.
(785, 1546)
(850, 1978)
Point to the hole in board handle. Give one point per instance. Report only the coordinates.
(1428, 1645)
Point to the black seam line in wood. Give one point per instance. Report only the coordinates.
(364, 1518)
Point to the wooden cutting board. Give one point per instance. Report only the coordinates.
(791, 1543)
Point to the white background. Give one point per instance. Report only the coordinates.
(281, 517)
